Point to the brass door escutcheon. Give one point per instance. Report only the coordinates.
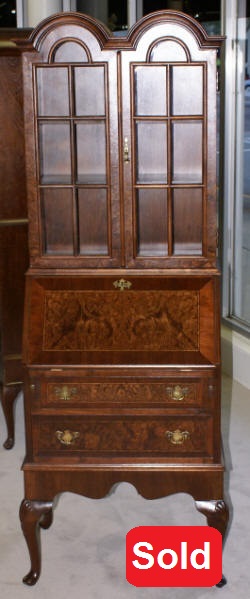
(177, 437)
(122, 284)
(67, 437)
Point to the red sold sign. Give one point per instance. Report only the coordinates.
(173, 556)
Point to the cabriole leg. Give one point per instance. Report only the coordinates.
(8, 397)
(217, 515)
(34, 514)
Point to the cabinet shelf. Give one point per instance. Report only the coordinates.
(159, 180)
(87, 180)
(57, 180)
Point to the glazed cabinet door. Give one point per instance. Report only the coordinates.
(169, 149)
(73, 152)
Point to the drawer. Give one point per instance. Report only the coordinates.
(175, 392)
(128, 436)
(125, 393)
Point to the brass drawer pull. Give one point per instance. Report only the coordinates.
(67, 437)
(65, 393)
(177, 393)
(122, 284)
(177, 437)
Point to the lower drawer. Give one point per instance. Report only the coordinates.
(128, 436)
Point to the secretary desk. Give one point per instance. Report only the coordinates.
(121, 344)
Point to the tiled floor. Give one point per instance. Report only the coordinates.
(83, 551)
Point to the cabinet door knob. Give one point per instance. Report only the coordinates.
(67, 437)
(126, 150)
(177, 437)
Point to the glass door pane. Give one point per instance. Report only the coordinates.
(151, 152)
(148, 78)
(57, 210)
(187, 152)
(187, 221)
(87, 81)
(152, 223)
(91, 152)
(52, 91)
(93, 221)
(55, 153)
(187, 90)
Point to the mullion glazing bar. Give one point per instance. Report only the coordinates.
(75, 212)
(169, 164)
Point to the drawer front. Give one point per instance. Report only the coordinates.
(128, 436)
(177, 393)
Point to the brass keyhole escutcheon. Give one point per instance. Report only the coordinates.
(122, 284)
(67, 437)
(177, 437)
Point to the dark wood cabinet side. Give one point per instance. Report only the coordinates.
(13, 231)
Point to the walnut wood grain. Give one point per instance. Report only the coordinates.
(92, 321)
(166, 392)
(172, 316)
(129, 436)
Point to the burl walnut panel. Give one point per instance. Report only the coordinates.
(84, 320)
(116, 435)
(114, 320)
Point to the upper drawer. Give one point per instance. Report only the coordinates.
(107, 320)
(68, 391)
